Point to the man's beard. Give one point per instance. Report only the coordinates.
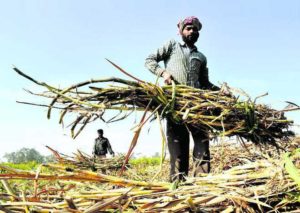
(190, 39)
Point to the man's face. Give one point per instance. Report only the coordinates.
(190, 34)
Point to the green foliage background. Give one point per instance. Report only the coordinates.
(27, 155)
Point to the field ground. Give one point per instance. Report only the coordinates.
(244, 178)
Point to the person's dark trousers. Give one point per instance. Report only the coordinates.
(178, 144)
(201, 153)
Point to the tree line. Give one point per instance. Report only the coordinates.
(27, 155)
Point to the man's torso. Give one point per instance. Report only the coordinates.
(185, 64)
(101, 146)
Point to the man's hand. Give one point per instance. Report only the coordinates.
(168, 77)
(225, 90)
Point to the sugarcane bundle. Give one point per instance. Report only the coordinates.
(83, 160)
(266, 185)
(212, 111)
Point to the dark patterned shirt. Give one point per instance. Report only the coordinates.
(187, 66)
(101, 146)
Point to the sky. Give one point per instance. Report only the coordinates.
(253, 45)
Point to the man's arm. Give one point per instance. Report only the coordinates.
(204, 79)
(109, 148)
(161, 54)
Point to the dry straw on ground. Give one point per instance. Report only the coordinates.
(257, 183)
(86, 161)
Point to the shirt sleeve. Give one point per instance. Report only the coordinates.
(161, 54)
(204, 78)
(109, 147)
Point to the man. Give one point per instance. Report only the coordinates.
(101, 146)
(184, 64)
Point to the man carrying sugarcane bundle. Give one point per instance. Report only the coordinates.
(184, 64)
(101, 146)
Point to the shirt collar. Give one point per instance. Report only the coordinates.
(182, 44)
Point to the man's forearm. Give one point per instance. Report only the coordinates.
(161, 54)
(151, 64)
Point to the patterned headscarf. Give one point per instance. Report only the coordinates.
(189, 20)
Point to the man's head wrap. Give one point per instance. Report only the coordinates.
(191, 20)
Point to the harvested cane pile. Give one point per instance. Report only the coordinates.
(85, 161)
(207, 110)
(263, 185)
